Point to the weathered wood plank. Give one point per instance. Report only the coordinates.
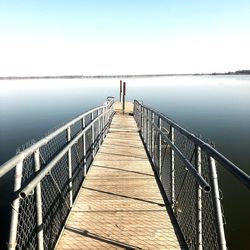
(120, 205)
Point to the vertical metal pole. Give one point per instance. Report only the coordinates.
(120, 90)
(106, 118)
(145, 124)
(138, 114)
(146, 127)
(39, 210)
(112, 109)
(148, 131)
(159, 150)
(172, 166)
(135, 112)
(216, 196)
(99, 128)
(199, 200)
(103, 122)
(84, 147)
(152, 137)
(124, 93)
(15, 207)
(141, 119)
(70, 169)
(93, 136)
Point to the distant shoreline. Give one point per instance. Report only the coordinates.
(239, 72)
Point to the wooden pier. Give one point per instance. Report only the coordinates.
(120, 205)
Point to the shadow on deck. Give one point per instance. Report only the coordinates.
(120, 205)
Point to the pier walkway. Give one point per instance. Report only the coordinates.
(108, 180)
(120, 205)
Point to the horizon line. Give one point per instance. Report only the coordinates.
(238, 72)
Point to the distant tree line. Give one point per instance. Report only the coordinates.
(242, 72)
(238, 72)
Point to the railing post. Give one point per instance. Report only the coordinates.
(159, 151)
(199, 200)
(152, 136)
(103, 123)
(123, 99)
(145, 125)
(172, 167)
(217, 203)
(135, 112)
(99, 128)
(138, 114)
(39, 210)
(93, 135)
(106, 120)
(70, 169)
(120, 90)
(148, 130)
(15, 207)
(141, 119)
(84, 147)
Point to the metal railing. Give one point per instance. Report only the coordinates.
(48, 176)
(186, 167)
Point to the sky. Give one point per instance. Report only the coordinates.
(123, 37)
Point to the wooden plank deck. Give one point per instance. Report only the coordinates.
(120, 205)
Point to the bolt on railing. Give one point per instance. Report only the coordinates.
(186, 167)
(48, 176)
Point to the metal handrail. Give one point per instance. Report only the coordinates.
(173, 181)
(101, 118)
(10, 164)
(201, 181)
(226, 163)
(203, 207)
(32, 184)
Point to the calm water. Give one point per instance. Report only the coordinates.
(217, 107)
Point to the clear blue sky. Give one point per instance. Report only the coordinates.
(123, 37)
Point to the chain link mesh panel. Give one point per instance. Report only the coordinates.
(26, 230)
(56, 186)
(155, 148)
(166, 161)
(179, 184)
(55, 201)
(209, 222)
